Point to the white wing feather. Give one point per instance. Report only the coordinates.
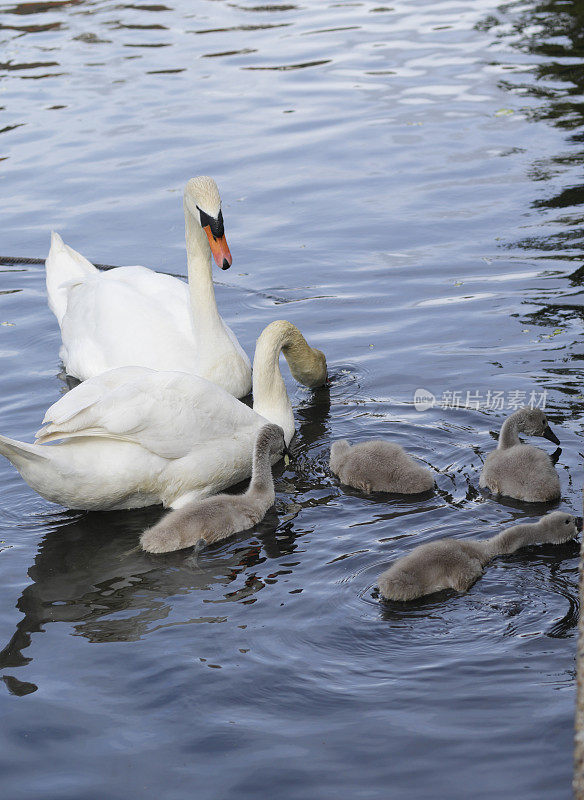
(65, 267)
(135, 316)
(167, 413)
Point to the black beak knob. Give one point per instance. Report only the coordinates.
(549, 434)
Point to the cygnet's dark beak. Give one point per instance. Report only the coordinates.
(549, 434)
(579, 522)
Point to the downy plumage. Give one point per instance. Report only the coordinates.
(379, 466)
(211, 519)
(458, 563)
(521, 470)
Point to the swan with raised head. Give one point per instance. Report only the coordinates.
(379, 466)
(134, 437)
(458, 563)
(133, 316)
(204, 522)
(521, 470)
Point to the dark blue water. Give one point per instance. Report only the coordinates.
(402, 182)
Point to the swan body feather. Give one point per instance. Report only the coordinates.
(134, 436)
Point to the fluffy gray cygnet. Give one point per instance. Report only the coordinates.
(379, 466)
(521, 470)
(211, 519)
(457, 563)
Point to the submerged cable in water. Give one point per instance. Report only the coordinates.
(19, 260)
(10, 260)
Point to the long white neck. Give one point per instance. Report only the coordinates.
(307, 365)
(206, 319)
(270, 398)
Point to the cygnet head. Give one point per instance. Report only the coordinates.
(533, 422)
(559, 527)
(271, 437)
(202, 201)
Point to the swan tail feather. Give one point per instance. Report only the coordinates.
(20, 452)
(65, 268)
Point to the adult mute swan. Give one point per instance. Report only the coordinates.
(134, 437)
(204, 522)
(458, 563)
(133, 316)
(521, 470)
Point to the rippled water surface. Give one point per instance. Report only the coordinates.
(402, 182)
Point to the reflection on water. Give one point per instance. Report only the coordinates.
(403, 183)
(90, 572)
(547, 83)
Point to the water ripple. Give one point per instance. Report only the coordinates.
(403, 184)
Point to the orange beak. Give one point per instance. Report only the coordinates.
(219, 249)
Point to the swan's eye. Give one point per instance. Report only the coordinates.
(216, 225)
(567, 522)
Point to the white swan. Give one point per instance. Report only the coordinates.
(133, 316)
(134, 437)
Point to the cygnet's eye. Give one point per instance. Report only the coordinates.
(567, 522)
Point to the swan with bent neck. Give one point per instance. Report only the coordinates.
(134, 437)
(521, 470)
(133, 316)
(207, 521)
(457, 563)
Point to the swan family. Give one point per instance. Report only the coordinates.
(158, 416)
